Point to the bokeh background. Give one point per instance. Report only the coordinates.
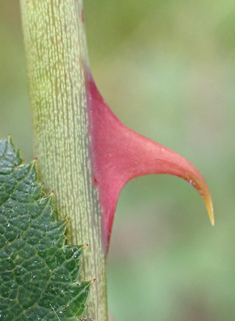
(167, 69)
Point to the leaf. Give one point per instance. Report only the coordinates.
(38, 272)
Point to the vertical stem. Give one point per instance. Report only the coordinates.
(56, 53)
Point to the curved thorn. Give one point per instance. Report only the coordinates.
(119, 154)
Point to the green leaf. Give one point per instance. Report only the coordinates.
(38, 272)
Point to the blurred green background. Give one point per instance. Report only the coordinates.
(167, 69)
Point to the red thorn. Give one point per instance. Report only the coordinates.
(120, 154)
(68, 219)
(36, 159)
(94, 280)
(52, 192)
(16, 164)
(23, 160)
(87, 245)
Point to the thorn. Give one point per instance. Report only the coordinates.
(36, 159)
(87, 245)
(210, 210)
(119, 155)
(94, 280)
(16, 164)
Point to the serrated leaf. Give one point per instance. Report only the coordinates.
(38, 272)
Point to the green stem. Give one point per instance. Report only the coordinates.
(56, 52)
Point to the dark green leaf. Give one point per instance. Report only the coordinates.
(38, 272)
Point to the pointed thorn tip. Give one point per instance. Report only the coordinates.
(210, 209)
(212, 219)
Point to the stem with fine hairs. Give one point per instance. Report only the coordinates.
(56, 53)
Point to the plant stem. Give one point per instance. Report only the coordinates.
(56, 53)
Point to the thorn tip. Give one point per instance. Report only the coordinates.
(209, 206)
